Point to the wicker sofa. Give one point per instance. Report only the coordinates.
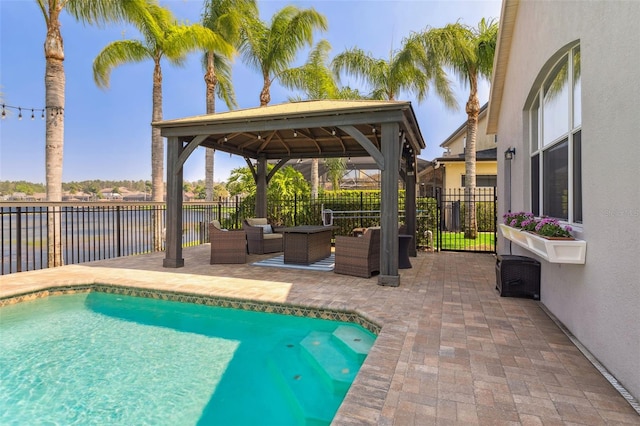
(261, 237)
(227, 246)
(358, 256)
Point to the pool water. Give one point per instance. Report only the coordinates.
(98, 358)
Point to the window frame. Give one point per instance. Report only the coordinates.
(538, 149)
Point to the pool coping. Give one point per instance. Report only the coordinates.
(349, 316)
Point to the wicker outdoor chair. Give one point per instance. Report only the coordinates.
(227, 246)
(261, 237)
(358, 256)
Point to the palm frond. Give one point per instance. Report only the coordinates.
(114, 54)
(182, 39)
(98, 12)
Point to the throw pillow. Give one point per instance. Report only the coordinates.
(266, 229)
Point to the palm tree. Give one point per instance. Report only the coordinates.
(387, 78)
(163, 38)
(271, 49)
(314, 78)
(226, 18)
(89, 11)
(317, 81)
(408, 69)
(469, 53)
(335, 171)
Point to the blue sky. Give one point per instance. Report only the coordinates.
(108, 133)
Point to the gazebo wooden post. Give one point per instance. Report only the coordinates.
(261, 187)
(389, 206)
(410, 203)
(173, 226)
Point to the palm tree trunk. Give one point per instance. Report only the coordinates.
(54, 82)
(265, 93)
(472, 109)
(157, 156)
(211, 80)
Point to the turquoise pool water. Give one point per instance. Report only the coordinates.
(98, 358)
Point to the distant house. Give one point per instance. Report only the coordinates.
(360, 173)
(77, 196)
(448, 171)
(136, 196)
(564, 101)
(108, 194)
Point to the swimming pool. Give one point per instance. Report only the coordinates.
(96, 358)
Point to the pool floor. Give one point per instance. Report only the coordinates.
(99, 358)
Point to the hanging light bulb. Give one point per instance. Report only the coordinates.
(42, 116)
(19, 113)
(295, 134)
(225, 139)
(4, 113)
(32, 116)
(333, 132)
(259, 137)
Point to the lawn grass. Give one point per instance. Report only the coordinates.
(456, 241)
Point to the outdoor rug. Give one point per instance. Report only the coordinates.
(325, 265)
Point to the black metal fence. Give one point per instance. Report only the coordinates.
(455, 232)
(103, 230)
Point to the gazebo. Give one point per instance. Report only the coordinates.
(386, 131)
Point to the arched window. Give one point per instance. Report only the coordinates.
(555, 141)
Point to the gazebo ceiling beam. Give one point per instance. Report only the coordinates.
(191, 146)
(366, 144)
(266, 142)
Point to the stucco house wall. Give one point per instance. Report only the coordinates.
(599, 302)
(455, 170)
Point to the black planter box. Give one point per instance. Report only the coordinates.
(518, 276)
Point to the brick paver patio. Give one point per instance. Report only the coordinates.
(450, 351)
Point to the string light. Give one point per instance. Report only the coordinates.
(54, 111)
(295, 134)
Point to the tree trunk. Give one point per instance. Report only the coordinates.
(54, 83)
(157, 157)
(314, 178)
(211, 80)
(265, 94)
(472, 109)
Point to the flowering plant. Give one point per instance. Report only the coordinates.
(546, 226)
(515, 219)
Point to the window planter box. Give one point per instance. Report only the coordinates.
(554, 251)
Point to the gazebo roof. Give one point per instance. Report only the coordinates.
(304, 129)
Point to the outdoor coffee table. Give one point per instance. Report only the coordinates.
(306, 244)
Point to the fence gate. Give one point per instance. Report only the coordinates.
(453, 210)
